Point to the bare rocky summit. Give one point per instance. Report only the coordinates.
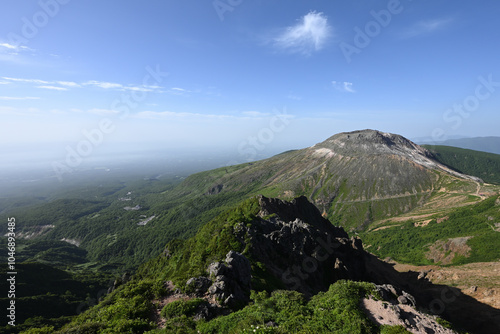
(373, 143)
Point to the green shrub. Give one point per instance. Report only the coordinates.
(181, 307)
(393, 330)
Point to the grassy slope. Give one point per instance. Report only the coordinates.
(407, 243)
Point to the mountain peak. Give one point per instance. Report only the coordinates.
(370, 142)
(364, 143)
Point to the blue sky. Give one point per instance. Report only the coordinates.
(241, 75)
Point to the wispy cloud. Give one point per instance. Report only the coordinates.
(14, 48)
(118, 86)
(18, 98)
(308, 35)
(255, 114)
(426, 27)
(8, 46)
(53, 88)
(65, 85)
(103, 84)
(34, 81)
(68, 83)
(178, 91)
(343, 86)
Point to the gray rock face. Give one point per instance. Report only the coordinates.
(231, 280)
(198, 285)
(301, 248)
(395, 295)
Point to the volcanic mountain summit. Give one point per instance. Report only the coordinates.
(373, 142)
(353, 177)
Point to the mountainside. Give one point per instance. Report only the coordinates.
(272, 266)
(354, 178)
(483, 164)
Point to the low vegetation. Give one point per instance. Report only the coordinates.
(409, 242)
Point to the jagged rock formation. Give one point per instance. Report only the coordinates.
(295, 244)
(299, 247)
(228, 284)
(231, 280)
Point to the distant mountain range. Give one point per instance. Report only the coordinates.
(484, 144)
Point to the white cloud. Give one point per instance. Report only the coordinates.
(15, 98)
(56, 85)
(255, 114)
(8, 46)
(15, 48)
(53, 88)
(68, 83)
(35, 81)
(138, 89)
(178, 91)
(308, 35)
(344, 86)
(103, 84)
(426, 27)
(117, 86)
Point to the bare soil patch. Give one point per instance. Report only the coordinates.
(444, 252)
(383, 313)
(480, 281)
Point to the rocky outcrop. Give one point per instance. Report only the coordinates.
(228, 284)
(395, 295)
(299, 247)
(296, 248)
(231, 280)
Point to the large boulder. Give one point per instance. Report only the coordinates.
(231, 280)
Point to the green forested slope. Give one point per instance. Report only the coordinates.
(481, 164)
